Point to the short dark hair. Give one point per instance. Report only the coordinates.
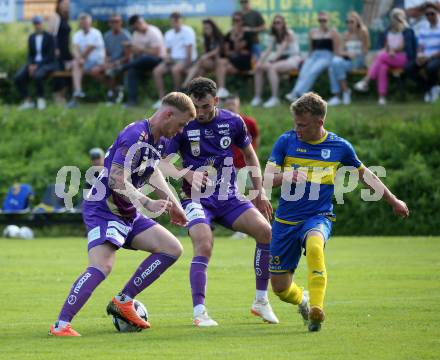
(430, 5)
(175, 15)
(201, 86)
(133, 19)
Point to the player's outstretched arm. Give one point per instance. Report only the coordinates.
(261, 201)
(165, 192)
(370, 180)
(119, 182)
(197, 179)
(274, 176)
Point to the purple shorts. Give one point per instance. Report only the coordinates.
(208, 210)
(103, 225)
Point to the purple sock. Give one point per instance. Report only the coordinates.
(198, 278)
(261, 266)
(148, 271)
(80, 292)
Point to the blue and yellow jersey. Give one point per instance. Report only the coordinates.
(320, 159)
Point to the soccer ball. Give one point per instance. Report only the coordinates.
(123, 326)
(26, 233)
(11, 231)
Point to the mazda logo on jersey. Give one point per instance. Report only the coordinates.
(225, 141)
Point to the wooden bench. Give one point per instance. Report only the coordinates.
(61, 74)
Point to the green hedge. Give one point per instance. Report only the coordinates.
(402, 138)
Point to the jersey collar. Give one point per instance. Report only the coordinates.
(315, 142)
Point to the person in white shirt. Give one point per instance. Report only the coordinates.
(424, 70)
(89, 55)
(416, 15)
(181, 53)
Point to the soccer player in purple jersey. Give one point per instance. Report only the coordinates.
(208, 141)
(113, 221)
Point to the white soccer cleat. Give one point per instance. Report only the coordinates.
(303, 307)
(263, 309)
(203, 320)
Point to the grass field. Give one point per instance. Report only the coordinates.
(383, 303)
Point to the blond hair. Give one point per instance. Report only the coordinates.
(398, 21)
(181, 102)
(310, 103)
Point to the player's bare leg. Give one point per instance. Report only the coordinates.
(165, 249)
(202, 239)
(284, 287)
(101, 259)
(251, 222)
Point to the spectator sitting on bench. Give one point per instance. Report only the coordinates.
(355, 45)
(428, 56)
(238, 50)
(323, 45)
(213, 49)
(40, 63)
(147, 51)
(400, 47)
(181, 54)
(89, 56)
(117, 49)
(281, 56)
(58, 26)
(18, 199)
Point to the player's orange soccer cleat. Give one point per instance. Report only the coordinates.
(56, 330)
(127, 312)
(316, 317)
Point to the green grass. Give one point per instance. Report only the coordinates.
(383, 303)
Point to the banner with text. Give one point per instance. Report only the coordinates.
(102, 9)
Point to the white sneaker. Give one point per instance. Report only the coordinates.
(435, 92)
(157, 104)
(427, 97)
(361, 86)
(291, 96)
(334, 101)
(26, 105)
(346, 97)
(79, 94)
(203, 320)
(256, 101)
(263, 309)
(303, 308)
(382, 101)
(41, 104)
(272, 102)
(222, 93)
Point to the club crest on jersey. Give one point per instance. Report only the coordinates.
(225, 141)
(195, 148)
(325, 153)
(209, 132)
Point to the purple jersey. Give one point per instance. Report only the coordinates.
(136, 144)
(210, 144)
